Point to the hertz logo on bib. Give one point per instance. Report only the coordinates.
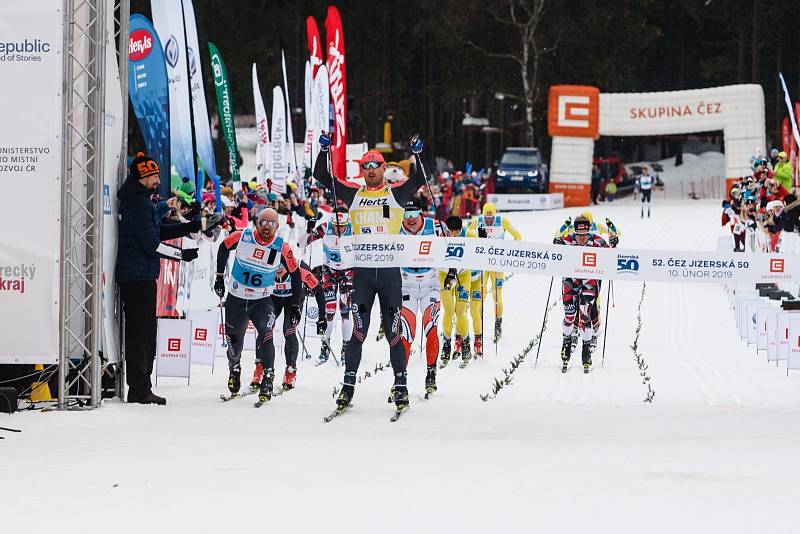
(376, 212)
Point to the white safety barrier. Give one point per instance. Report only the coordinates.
(568, 261)
(525, 202)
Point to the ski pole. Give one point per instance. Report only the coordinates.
(333, 188)
(611, 291)
(544, 321)
(418, 160)
(605, 327)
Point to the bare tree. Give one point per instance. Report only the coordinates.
(521, 21)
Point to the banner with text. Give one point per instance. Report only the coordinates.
(31, 65)
(567, 261)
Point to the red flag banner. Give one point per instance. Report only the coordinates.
(314, 45)
(338, 84)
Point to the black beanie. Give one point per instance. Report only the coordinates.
(142, 167)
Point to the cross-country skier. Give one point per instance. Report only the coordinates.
(578, 295)
(493, 226)
(375, 208)
(645, 183)
(283, 300)
(420, 293)
(260, 253)
(454, 297)
(336, 279)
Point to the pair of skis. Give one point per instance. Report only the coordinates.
(399, 411)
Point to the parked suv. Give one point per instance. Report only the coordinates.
(521, 170)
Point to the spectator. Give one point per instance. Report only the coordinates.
(139, 253)
(611, 190)
(597, 179)
(774, 223)
(773, 157)
(783, 171)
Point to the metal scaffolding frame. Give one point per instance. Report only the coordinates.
(83, 131)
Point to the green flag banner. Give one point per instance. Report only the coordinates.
(225, 107)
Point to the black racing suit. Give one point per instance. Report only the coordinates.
(384, 282)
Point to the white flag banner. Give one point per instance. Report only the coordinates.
(762, 337)
(293, 170)
(743, 324)
(204, 329)
(772, 335)
(262, 129)
(320, 95)
(168, 21)
(278, 165)
(202, 126)
(309, 113)
(783, 333)
(547, 259)
(31, 66)
(174, 348)
(112, 151)
(752, 320)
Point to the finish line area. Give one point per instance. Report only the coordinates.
(512, 459)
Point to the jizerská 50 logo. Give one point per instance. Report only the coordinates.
(627, 264)
(455, 252)
(140, 44)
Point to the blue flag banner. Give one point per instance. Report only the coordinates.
(148, 89)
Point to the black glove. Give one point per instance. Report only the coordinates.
(310, 225)
(325, 141)
(194, 226)
(294, 314)
(558, 241)
(482, 232)
(322, 324)
(219, 286)
(189, 254)
(614, 240)
(347, 286)
(309, 290)
(450, 279)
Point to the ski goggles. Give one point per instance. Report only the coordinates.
(410, 214)
(263, 222)
(367, 165)
(341, 218)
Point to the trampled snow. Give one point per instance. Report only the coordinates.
(716, 451)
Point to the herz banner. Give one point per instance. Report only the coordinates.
(31, 66)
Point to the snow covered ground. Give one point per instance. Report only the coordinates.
(716, 451)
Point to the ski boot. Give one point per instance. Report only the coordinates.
(566, 351)
(235, 379)
(257, 374)
(345, 397)
(465, 353)
(445, 352)
(586, 356)
(324, 352)
(498, 329)
(459, 345)
(430, 380)
(265, 393)
(478, 350)
(289, 377)
(399, 391)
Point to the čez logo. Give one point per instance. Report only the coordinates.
(627, 264)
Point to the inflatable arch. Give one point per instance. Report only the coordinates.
(578, 114)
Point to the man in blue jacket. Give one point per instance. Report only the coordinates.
(139, 252)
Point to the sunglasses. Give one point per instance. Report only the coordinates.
(263, 222)
(370, 165)
(411, 214)
(342, 218)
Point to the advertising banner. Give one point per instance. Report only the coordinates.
(31, 65)
(337, 74)
(112, 170)
(174, 348)
(320, 101)
(202, 126)
(308, 84)
(204, 335)
(262, 129)
(372, 250)
(167, 285)
(225, 108)
(278, 164)
(783, 333)
(772, 335)
(314, 45)
(293, 169)
(168, 21)
(523, 202)
(762, 320)
(793, 355)
(148, 90)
